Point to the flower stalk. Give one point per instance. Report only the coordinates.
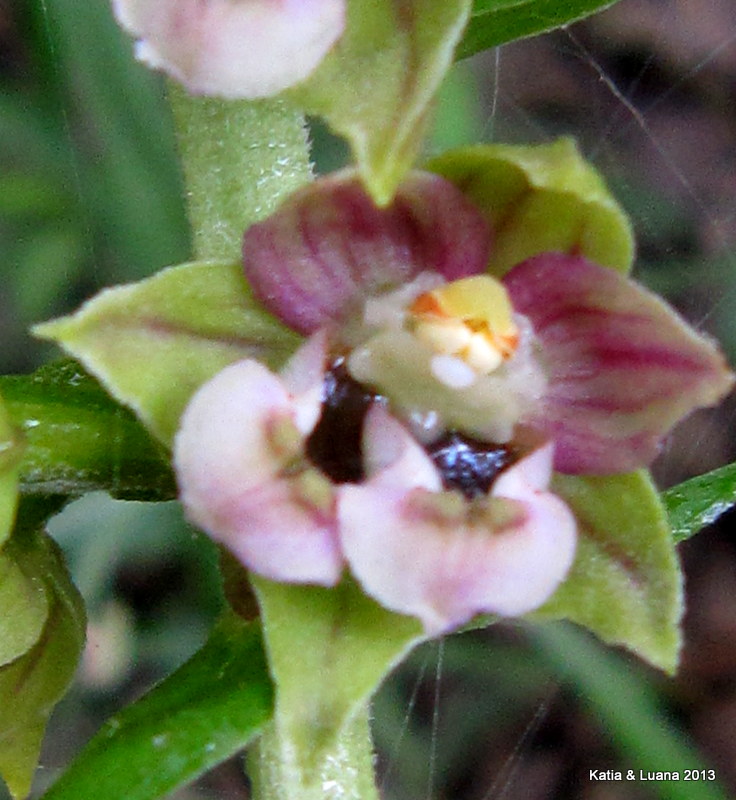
(240, 161)
(345, 770)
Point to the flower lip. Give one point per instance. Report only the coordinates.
(241, 471)
(469, 465)
(434, 555)
(335, 445)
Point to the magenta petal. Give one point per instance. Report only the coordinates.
(433, 555)
(623, 367)
(328, 245)
(239, 433)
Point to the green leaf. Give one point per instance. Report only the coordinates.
(376, 86)
(494, 22)
(203, 713)
(700, 501)
(153, 343)
(625, 584)
(328, 650)
(31, 685)
(11, 451)
(540, 198)
(77, 439)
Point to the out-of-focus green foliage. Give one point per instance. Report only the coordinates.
(77, 439)
(204, 712)
(700, 501)
(32, 684)
(494, 22)
(90, 191)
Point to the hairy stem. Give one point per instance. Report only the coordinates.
(345, 770)
(240, 160)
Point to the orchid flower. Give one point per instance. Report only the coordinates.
(243, 49)
(411, 440)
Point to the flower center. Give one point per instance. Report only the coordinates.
(471, 319)
(449, 356)
(335, 445)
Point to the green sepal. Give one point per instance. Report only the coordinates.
(494, 22)
(377, 84)
(11, 452)
(153, 343)
(328, 650)
(626, 583)
(31, 685)
(541, 198)
(700, 501)
(203, 713)
(78, 439)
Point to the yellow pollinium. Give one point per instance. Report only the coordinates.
(471, 318)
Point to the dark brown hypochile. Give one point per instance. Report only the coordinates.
(334, 446)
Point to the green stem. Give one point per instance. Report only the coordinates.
(240, 159)
(345, 771)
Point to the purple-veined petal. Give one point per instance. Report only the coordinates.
(328, 246)
(239, 439)
(623, 367)
(249, 48)
(438, 557)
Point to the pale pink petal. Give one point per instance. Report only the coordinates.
(328, 246)
(443, 559)
(238, 435)
(273, 531)
(249, 48)
(304, 377)
(623, 368)
(393, 457)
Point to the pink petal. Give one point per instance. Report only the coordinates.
(392, 456)
(230, 463)
(329, 246)
(442, 559)
(249, 48)
(623, 367)
(304, 377)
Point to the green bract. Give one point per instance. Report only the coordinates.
(377, 84)
(328, 650)
(78, 439)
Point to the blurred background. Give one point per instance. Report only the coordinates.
(90, 195)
